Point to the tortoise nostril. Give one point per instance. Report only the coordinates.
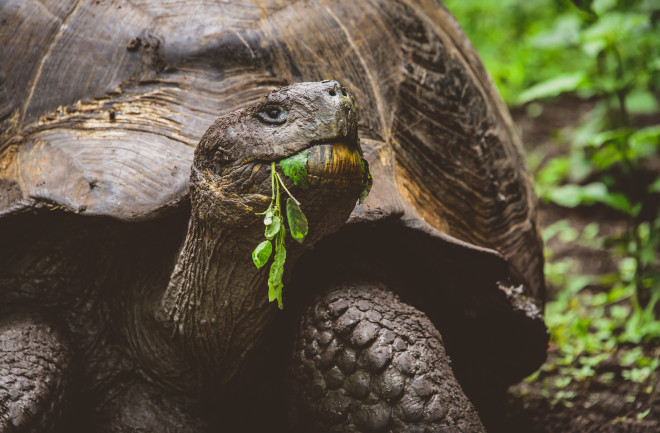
(343, 91)
(332, 92)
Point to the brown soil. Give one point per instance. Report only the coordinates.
(604, 406)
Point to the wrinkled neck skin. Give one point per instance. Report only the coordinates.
(215, 306)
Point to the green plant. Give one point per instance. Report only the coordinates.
(275, 232)
(608, 53)
(605, 163)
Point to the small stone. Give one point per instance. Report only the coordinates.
(357, 384)
(374, 418)
(364, 333)
(334, 378)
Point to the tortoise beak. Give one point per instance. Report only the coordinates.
(336, 161)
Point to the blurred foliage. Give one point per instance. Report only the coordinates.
(606, 52)
(543, 48)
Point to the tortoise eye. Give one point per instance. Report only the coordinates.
(272, 115)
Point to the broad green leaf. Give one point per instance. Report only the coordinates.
(574, 195)
(641, 102)
(274, 227)
(554, 87)
(567, 195)
(555, 171)
(645, 142)
(297, 222)
(295, 168)
(618, 201)
(604, 137)
(261, 254)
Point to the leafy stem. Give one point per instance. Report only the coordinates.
(275, 232)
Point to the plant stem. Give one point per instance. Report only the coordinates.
(285, 189)
(272, 179)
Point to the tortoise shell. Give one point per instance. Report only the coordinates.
(103, 102)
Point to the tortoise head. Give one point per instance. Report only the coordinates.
(310, 131)
(307, 131)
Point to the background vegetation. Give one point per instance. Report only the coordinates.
(603, 55)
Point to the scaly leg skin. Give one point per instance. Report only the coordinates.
(34, 371)
(366, 362)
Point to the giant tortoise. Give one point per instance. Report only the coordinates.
(129, 301)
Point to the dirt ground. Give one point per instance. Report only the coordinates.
(616, 406)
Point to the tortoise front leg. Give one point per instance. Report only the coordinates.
(35, 364)
(366, 362)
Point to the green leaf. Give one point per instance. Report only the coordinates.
(261, 254)
(645, 142)
(268, 219)
(297, 222)
(274, 227)
(641, 102)
(295, 168)
(602, 6)
(574, 195)
(554, 87)
(367, 181)
(275, 284)
(567, 195)
(655, 186)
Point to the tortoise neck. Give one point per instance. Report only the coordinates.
(216, 304)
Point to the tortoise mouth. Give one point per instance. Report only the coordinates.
(335, 161)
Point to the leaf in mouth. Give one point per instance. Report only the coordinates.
(295, 168)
